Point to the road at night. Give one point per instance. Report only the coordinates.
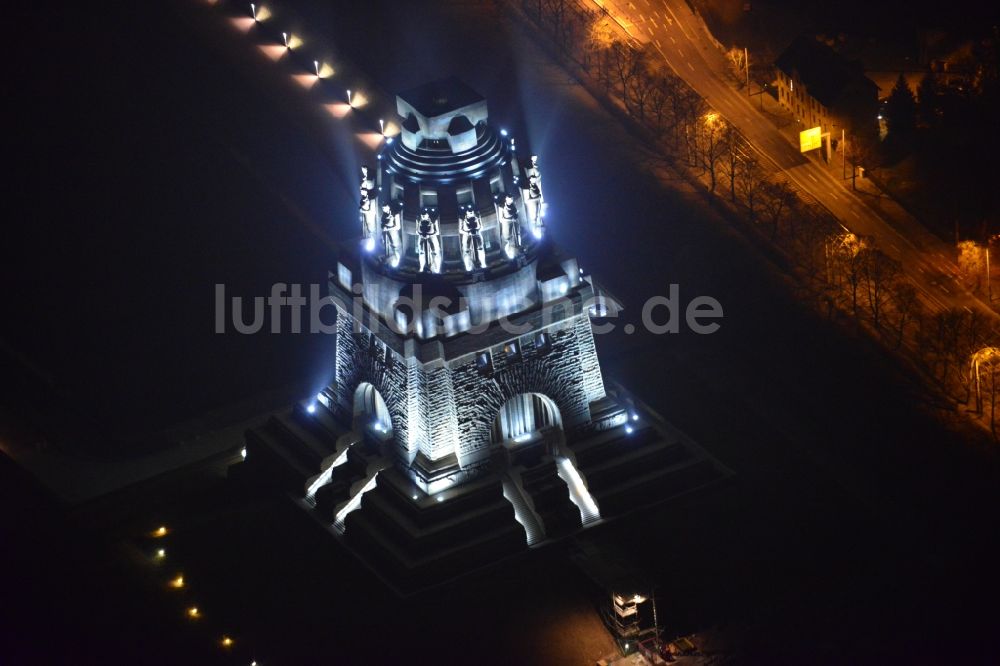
(679, 36)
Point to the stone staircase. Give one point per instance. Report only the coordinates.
(550, 497)
(578, 491)
(414, 540)
(523, 512)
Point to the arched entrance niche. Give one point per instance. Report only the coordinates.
(371, 415)
(528, 425)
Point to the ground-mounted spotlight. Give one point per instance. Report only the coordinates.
(316, 67)
(243, 453)
(253, 11)
(311, 408)
(348, 97)
(629, 429)
(369, 244)
(284, 37)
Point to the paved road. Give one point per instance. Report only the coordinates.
(681, 38)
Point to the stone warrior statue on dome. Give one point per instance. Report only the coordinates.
(391, 242)
(429, 243)
(535, 199)
(510, 226)
(367, 210)
(473, 250)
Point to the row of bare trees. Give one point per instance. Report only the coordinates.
(845, 275)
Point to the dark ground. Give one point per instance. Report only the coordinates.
(156, 146)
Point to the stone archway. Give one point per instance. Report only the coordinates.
(526, 426)
(371, 414)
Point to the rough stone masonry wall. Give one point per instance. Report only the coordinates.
(567, 372)
(590, 365)
(440, 409)
(362, 357)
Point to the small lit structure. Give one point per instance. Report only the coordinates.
(227, 642)
(631, 617)
(177, 582)
(193, 612)
(160, 532)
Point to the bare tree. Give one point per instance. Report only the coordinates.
(625, 63)
(732, 159)
(688, 110)
(776, 197)
(556, 13)
(712, 142)
(907, 304)
(880, 272)
(659, 111)
(736, 58)
(946, 337)
(749, 181)
(641, 86)
(972, 261)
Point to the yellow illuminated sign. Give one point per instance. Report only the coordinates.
(810, 139)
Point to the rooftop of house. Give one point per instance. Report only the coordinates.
(824, 72)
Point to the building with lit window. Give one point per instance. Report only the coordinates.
(467, 418)
(823, 89)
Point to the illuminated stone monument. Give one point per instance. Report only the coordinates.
(467, 417)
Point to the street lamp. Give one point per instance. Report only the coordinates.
(746, 66)
(381, 126)
(348, 97)
(316, 67)
(253, 11)
(284, 36)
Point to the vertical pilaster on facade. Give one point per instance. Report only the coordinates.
(416, 407)
(344, 372)
(440, 415)
(590, 366)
